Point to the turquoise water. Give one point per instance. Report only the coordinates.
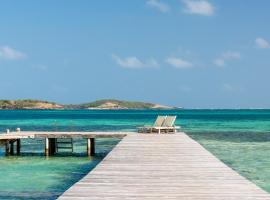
(240, 138)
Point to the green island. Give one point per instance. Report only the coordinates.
(106, 104)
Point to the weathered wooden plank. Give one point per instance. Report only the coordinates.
(80, 134)
(150, 166)
(45, 134)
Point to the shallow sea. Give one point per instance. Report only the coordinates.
(240, 138)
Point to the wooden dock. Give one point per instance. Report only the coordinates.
(157, 166)
(50, 139)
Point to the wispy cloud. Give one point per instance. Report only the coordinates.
(199, 7)
(40, 67)
(261, 43)
(179, 63)
(227, 56)
(135, 63)
(157, 4)
(232, 88)
(219, 62)
(9, 53)
(228, 87)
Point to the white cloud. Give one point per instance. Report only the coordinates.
(262, 43)
(219, 62)
(231, 55)
(134, 62)
(162, 7)
(9, 53)
(178, 63)
(227, 56)
(199, 7)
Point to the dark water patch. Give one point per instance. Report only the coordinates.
(231, 136)
(52, 127)
(30, 195)
(211, 115)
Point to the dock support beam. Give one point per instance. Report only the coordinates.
(7, 148)
(90, 146)
(50, 146)
(10, 147)
(18, 146)
(46, 146)
(11, 143)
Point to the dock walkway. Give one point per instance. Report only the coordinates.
(151, 166)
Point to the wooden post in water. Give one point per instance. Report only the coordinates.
(18, 146)
(52, 146)
(11, 147)
(18, 143)
(90, 146)
(46, 146)
(7, 148)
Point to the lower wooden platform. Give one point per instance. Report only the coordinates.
(50, 139)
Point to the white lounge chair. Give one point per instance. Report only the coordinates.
(167, 126)
(158, 123)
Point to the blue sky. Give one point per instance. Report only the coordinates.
(190, 53)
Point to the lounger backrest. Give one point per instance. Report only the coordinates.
(169, 121)
(159, 121)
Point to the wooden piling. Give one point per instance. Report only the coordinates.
(18, 141)
(11, 143)
(52, 146)
(90, 146)
(46, 146)
(7, 148)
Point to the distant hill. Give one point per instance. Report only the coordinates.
(28, 104)
(104, 104)
(118, 104)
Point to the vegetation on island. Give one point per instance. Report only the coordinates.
(99, 104)
(28, 104)
(112, 103)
